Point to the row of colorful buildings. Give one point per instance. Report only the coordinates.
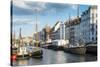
(82, 28)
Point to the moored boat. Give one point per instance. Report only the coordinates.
(22, 53)
(35, 52)
(76, 50)
(91, 49)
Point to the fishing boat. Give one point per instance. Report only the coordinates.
(14, 49)
(76, 50)
(22, 53)
(15, 46)
(35, 52)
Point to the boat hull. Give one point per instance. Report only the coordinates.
(55, 47)
(37, 54)
(76, 50)
(91, 50)
(25, 56)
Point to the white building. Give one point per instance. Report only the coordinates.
(58, 34)
(88, 25)
(58, 31)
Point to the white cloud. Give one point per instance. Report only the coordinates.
(29, 5)
(43, 7)
(74, 6)
(73, 17)
(21, 4)
(22, 20)
(38, 6)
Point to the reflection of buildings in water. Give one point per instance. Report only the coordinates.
(62, 56)
(22, 62)
(82, 58)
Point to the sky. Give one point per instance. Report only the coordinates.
(24, 15)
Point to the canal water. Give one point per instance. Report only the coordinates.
(55, 57)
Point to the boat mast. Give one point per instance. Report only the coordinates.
(14, 38)
(36, 29)
(20, 37)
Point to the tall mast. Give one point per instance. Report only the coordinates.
(14, 37)
(20, 37)
(36, 24)
(36, 29)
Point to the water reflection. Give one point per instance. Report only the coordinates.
(55, 57)
(22, 62)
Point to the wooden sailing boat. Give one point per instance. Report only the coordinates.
(14, 44)
(22, 50)
(35, 51)
(36, 32)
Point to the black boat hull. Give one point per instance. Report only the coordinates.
(91, 50)
(76, 50)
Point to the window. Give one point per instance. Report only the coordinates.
(92, 38)
(96, 14)
(96, 38)
(92, 29)
(92, 32)
(92, 17)
(96, 21)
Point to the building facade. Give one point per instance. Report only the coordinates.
(72, 30)
(88, 25)
(58, 31)
(83, 28)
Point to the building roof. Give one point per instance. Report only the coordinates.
(53, 28)
(73, 21)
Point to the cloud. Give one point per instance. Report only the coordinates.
(18, 22)
(36, 6)
(20, 4)
(24, 21)
(29, 7)
(19, 7)
(21, 11)
(74, 6)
